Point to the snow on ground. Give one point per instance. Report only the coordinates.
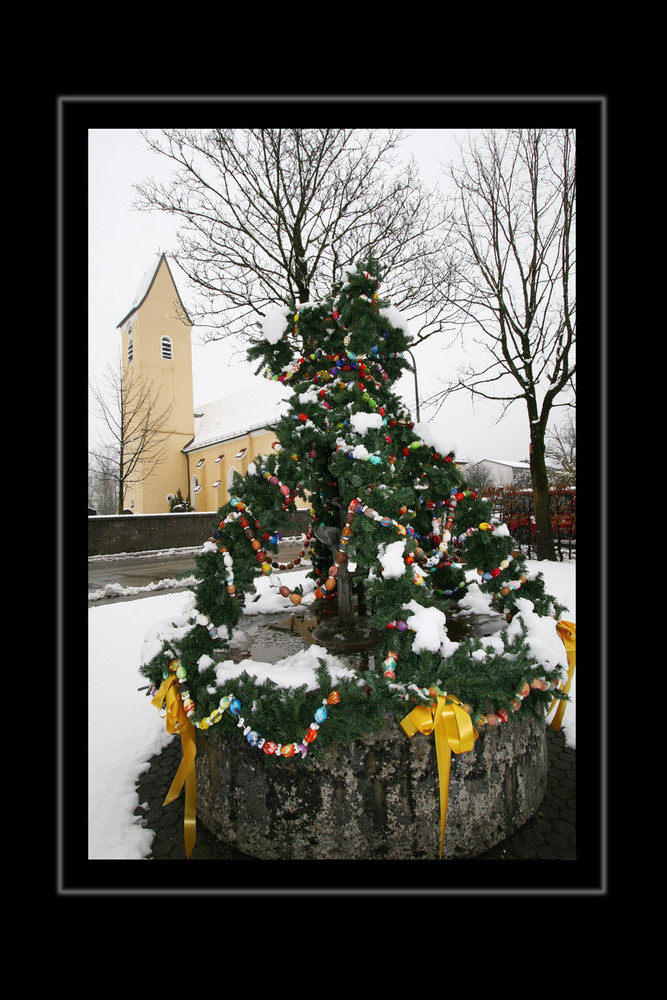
(126, 731)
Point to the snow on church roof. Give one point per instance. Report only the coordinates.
(145, 286)
(239, 413)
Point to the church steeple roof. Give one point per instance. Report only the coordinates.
(145, 287)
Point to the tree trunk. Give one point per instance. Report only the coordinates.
(538, 470)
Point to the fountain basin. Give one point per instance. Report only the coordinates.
(375, 799)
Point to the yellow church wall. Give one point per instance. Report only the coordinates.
(167, 374)
(216, 463)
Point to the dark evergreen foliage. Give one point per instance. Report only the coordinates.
(349, 447)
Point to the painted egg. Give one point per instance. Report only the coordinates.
(269, 747)
(235, 706)
(333, 698)
(320, 714)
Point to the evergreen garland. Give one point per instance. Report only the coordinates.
(348, 446)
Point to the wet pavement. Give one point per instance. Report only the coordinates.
(110, 576)
(119, 577)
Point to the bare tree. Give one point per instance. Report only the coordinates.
(561, 451)
(514, 240)
(103, 480)
(276, 216)
(136, 427)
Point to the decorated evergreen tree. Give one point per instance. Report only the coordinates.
(395, 533)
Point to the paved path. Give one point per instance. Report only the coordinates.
(141, 569)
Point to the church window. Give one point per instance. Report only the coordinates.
(166, 348)
(130, 346)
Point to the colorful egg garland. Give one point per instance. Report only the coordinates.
(270, 747)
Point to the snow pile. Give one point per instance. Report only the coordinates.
(273, 325)
(429, 626)
(290, 672)
(391, 559)
(363, 422)
(433, 437)
(542, 638)
(396, 318)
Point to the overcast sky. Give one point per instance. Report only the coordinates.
(123, 243)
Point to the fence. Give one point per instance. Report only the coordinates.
(516, 509)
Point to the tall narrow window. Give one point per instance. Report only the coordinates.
(130, 348)
(165, 348)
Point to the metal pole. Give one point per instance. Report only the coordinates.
(414, 371)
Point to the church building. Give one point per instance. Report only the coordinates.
(204, 447)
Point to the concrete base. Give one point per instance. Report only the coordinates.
(377, 799)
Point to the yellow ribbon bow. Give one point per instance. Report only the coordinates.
(178, 723)
(453, 730)
(568, 633)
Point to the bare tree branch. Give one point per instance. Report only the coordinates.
(278, 215)
(513, 277)
(137, 433)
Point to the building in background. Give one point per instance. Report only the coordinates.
(502, 473)
(202, 448)
(229, 434)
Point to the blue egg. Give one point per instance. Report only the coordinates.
(320, 714)
(235, 706)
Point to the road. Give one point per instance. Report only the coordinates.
(145, 568)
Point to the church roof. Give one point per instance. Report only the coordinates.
(145, 287)
(239, 413)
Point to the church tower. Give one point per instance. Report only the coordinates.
(157, 371)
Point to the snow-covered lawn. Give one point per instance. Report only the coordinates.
(126, 731)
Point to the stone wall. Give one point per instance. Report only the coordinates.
(111, 534)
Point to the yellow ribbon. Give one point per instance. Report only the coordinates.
(178, 723)
(568, 633)
(453, 730)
